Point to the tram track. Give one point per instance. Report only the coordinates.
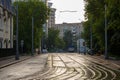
(70, 72)
(100, 71)
(84, 72)
(108, 71)
(85, 69)
(76, 67)
(82, 69)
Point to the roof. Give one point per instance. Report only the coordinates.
(70, 24)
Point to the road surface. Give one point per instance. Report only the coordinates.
(73, 66)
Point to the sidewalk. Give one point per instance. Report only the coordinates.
(6, 61)
(24, 68)
(111, 60)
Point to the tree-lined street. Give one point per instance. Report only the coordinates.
(34, 47)
(64, 66)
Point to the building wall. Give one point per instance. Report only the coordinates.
(1, 27)
(75, 28)
(51, 20)
(6, 24)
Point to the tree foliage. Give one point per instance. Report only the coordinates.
(26, 10)
(68, 38)
(53, 40)
(95, 16)
(113, 15)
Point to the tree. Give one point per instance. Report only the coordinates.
(68, 38)
(27, 10)
(95, 15)
(113, 15)
(95, 11)
(60, 44)
(53, 40)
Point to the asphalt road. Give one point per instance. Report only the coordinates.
(71, 66)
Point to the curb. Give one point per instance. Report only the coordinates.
(14, 62)
(17, 61)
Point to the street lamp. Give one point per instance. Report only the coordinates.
(32, 36)
(79, 40)
(43, 45)
(17, 48)
(106, 53)
(91, 36)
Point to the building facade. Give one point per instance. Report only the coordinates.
(51, 20)
(6, 24)
(75, 28)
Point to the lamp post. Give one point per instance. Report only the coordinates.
(79, 40)
(17, 48)
(32, 36)
(44, 37)
(106, 53)
(91, 37)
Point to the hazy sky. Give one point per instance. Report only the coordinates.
(72, 5)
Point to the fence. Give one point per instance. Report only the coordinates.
(7, 52)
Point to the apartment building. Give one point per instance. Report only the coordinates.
(75, 28)
(6, 24)
(51, 20)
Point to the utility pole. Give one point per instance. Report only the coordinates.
(17, 48)
(79, 39)
(106, 53)
(91, 37)
(32, 36)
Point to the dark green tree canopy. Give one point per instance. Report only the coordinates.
(68, 38)
(26, 10)
(95, 16)
(53, 40)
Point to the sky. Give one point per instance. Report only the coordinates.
(77, 6)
